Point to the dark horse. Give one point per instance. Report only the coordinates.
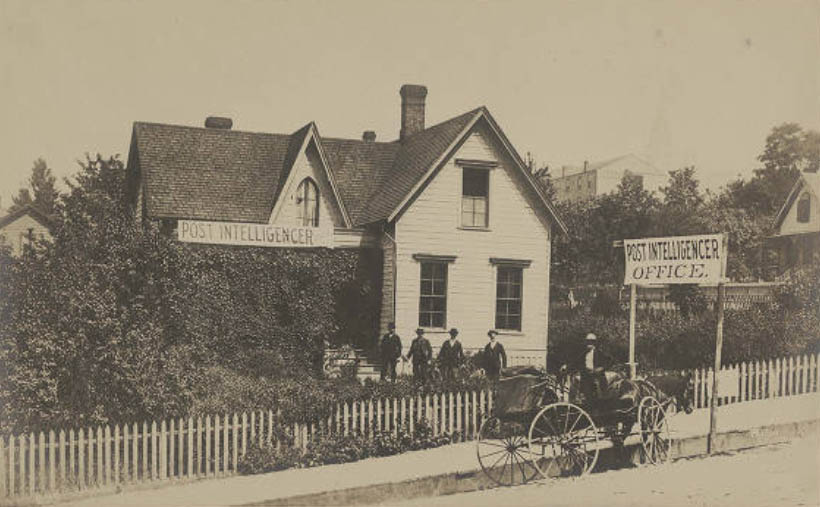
(680, 388)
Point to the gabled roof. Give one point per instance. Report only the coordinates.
(220, 174)
(811, 181)
(39, 216)
(209, 174)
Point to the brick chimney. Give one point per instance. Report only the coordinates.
(368, 136)
(218, 122)
(412, 109)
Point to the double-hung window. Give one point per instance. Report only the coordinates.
(475, 193)
(433, 295)
(509, 293)
(433, 289)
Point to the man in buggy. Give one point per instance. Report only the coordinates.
(593, 378)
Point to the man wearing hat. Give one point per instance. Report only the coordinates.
(592, 378)
(450, 356)
(494, 356)
(422, 354)
(390, 351)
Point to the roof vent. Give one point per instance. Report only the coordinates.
(369, 136)
(218, 122)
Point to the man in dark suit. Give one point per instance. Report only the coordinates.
(422, 353)
(450, 356)
(390, 351)
(494, 356)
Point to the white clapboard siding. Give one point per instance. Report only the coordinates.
(518, 229)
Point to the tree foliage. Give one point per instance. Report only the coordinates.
(113, 320)
(41, 191)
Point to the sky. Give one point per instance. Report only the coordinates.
(678, 83)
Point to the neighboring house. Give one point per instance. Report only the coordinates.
(22, 227)
(577, 183)
(465, 229)
(796, 240)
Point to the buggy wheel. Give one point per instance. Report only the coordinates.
(502, 454)
(563, 441)
(655, 439)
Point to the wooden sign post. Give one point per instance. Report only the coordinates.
(695, 260)
(633, 300)
(710, 443)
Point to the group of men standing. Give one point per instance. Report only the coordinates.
(450, 356)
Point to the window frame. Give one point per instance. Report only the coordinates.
(803, 208)
(500, 266)
(302, 201)
(442, 261)
(474, 165)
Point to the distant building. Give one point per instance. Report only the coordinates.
(576, 183)
(796, 240)
(23, 226)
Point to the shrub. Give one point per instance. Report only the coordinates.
(336, 448)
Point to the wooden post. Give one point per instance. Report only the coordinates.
(718, 349)
(633, 300)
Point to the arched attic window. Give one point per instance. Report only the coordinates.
(307, 203)
(804, 208)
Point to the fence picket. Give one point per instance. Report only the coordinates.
(244, 433)
(207, 446)
(22, 464)
(394, 416)
(411, 416)
(345, 418)
(80, 459)
(126, 442)
(115, 444)
(226, 449)
(72, 470)
(815, 380)
(459, 409)
(198, 467)
(12, 451)
(450, 413)
(217, 435)
(403, 414)
(3, 467)
(435, 414)
(235, 435)
(474, 414)
(171, 448)
(32, 475)
(163, 450)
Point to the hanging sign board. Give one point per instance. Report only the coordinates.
(245, 234)
(680, 259)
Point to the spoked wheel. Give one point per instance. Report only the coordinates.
(563, 441)
(502, 454)
(655, 437)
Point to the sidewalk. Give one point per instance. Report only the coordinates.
(457, 458)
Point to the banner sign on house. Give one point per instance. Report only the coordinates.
(245, 234)
(681, 259)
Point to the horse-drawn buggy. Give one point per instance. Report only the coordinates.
(544, 425)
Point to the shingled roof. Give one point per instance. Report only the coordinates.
(228, 175)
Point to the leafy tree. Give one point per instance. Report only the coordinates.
(41, 191)
(788, 151)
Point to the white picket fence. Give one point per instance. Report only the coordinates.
(758, 380)
(185, 449)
